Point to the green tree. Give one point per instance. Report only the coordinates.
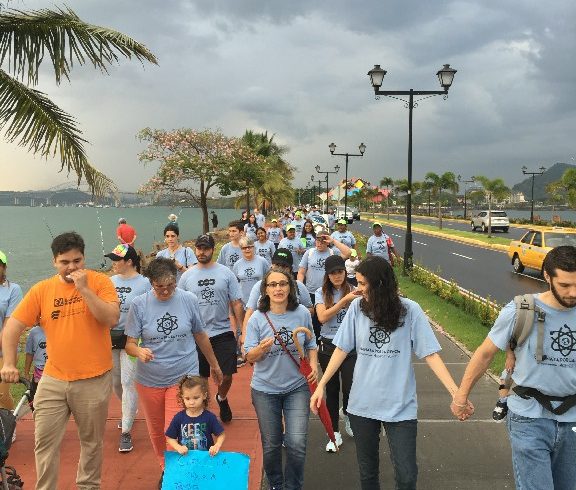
(436, 184)
(27, 116)
(387, 182)
(401, 185)
(565, 186)
(494, 189)
(193, 162)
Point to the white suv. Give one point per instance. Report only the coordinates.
(349, 214)
(499, 221)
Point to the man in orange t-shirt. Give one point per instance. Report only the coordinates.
(125, 232)
(76, 308)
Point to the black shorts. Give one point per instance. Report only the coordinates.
(224, 346)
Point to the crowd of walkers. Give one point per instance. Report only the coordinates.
(275, 286)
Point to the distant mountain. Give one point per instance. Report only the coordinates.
(553, 174)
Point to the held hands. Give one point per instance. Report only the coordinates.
(461, 409)
(145, 354)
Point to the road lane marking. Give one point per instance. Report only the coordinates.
(397, 236)
(463, 256)
(530, 277)
(421, 243)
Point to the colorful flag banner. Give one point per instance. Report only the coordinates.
(197, 470)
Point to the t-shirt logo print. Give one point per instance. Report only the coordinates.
(285, 335)
(340, 316)
(207, 294)
(379, 337)
(234, 258)
(167, 324)
(250, 271)
(320, 262)
(563, 340)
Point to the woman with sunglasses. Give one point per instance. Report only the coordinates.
(164, 329)
(279, 390)
(332, 302)
(183, 257)
(385, 330)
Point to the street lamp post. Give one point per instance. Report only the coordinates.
(533, 174)
(472, 180)
(362, 148)
(336, 170)
(445, 76)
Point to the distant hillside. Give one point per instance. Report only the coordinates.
(552, 174)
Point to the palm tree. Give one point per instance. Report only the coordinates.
(401, 185)
(27, 116)
(387, 182)
(436, 183)
(493, 189)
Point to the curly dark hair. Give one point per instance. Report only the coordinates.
(161, 268)
(264, 302)
(190, 381)
(383, 305)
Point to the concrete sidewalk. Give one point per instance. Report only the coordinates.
(451, 454)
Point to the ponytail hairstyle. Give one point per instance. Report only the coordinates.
(190, 381)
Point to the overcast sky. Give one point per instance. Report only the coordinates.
(298, 70)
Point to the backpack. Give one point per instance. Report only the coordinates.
(526, 313)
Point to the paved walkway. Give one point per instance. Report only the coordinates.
(451, 455)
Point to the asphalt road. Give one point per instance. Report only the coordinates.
(482, 271)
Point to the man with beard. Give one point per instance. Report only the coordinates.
(542, 410)
(218, 293)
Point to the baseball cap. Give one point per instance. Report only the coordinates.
(353, 253)
(283, 256)
(274, 220)
(342, 222)
(3, 258)
(123, 252)
(334, 263)
(290, 227)
(376, 224)
(205, 241)
(298, 213)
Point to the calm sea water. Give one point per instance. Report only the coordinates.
(26, 233)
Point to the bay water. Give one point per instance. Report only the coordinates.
(26, 233)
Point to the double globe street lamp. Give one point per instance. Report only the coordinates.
(533, 174)
(362, 148)
(336, 170)
(446, 77)
(471, 181)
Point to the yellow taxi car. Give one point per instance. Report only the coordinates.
(530, 250)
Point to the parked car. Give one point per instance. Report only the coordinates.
(532, 248)
(355, 213)
(349, 214)
(499, 220)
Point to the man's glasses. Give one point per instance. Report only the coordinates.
(275, 284)
(247, 248)
(165, 287)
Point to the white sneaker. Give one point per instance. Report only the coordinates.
(347, 426)
(331, 447)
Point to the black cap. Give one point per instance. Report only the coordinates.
(205, 241)
(334, 263)
(283, 256)
(123, 252)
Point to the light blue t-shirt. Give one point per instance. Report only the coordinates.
(299, 224)
(302, 295)
(184, 255)
(293, 245)
(10, 296)
(274, 234)
(313, 261)
(276, 372)
(556, 374)
(250, 231)
(329, 328)
(384, 385)
(346, 238)
(377, 245)
(167, 328)
(36, 347)
(127, 290)
(260, 220)
(229, 255)
(249, 273)
(215, 286)
(265, 250)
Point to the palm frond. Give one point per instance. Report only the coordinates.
(30, 119)
(26, 37)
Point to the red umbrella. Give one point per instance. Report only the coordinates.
(306, 369)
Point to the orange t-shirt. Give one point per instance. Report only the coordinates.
(77, 345)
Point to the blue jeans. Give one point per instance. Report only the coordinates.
(402, 443)
(295, 407)
(543, 453)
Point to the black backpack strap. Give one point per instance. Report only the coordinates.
(546, 400)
